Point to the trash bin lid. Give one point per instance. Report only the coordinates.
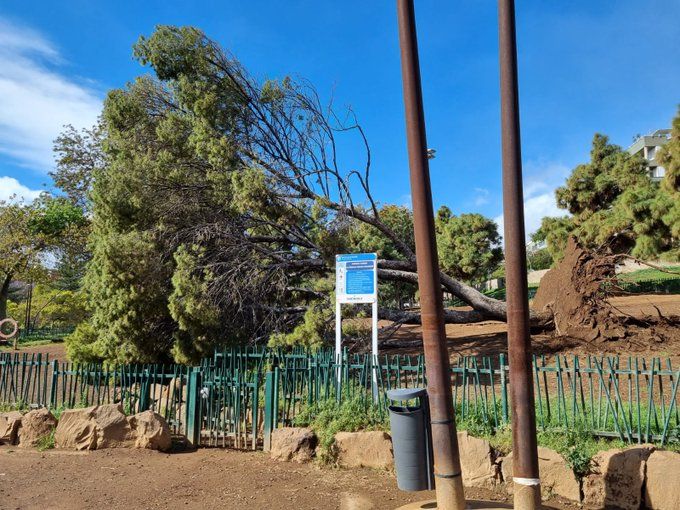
(406, 393)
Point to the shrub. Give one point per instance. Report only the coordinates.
(328, 417)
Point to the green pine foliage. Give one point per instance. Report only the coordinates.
(614, 205)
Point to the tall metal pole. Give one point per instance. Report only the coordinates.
(527, 488)
(448, 481)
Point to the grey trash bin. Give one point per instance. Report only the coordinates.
(411, 443)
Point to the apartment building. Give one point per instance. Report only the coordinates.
(648, 146)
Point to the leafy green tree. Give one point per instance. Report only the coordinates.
(614, 206)
(218, 204)
(27, 233)
(669, 157)
(79, 156)
(539, 259)
(468, 245)
(51, 307)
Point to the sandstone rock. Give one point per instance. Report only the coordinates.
(556, 476)
(151, 431)
(475, 461)
(114, 429)
(76, 429)
(364, 449)
(167, 395)
(616, 478)
(35, 425)
(350, 501)
(96, 427)
(293, 443)
(662, 490)
(9, 426)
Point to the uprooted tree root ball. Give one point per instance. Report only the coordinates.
(573, 293)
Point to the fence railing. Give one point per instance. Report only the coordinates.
(33, 380)
(239, 396)
(46, 332)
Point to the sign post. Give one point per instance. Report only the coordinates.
(356, 281)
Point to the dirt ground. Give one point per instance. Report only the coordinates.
(204, 479)
(489, 337)
(229, 479)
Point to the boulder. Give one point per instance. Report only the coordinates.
(151, 431)
(9, 426)
(95, 427)
(371, 449)
(77, 429)
(293, 444)
(114, 428)
(556, 476)
(616, 478)
(475, 461)
(662, 489)
(35, 425)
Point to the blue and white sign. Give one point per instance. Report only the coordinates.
(356, 278)
(356, 281)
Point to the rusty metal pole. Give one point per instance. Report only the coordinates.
(448, 480)
(527, 488)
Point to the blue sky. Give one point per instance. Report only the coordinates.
(585, 67)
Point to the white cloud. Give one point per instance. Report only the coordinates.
(540, 181)
(10, 188)
(481, 196)
(36, 98)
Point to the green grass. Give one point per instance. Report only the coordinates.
(17, 406)
(329, 417)
(33, 342)
(649, 274)
(46, 442)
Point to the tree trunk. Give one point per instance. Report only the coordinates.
(4, 296)
(484, 307)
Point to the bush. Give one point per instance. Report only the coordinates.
(328, 417)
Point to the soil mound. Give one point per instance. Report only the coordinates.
(572, 293)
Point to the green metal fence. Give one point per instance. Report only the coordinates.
(51, 332)
(633, 399)
(33, 380)
(239, 396)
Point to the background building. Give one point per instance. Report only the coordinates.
(648, 146)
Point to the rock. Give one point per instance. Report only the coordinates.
(371, 449)
(355, 502)
(35, 425)
(293, 444)
(556, 476)
(151, 430)
(94, 428)
(113, 428)
(77, 429)
(9, 426)
(616, 479)
(662, 490)
(475, 461)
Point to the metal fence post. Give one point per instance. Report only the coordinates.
(144, 393)
(504, 389)
(55, 383)
(268, 410)
(193, 417)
